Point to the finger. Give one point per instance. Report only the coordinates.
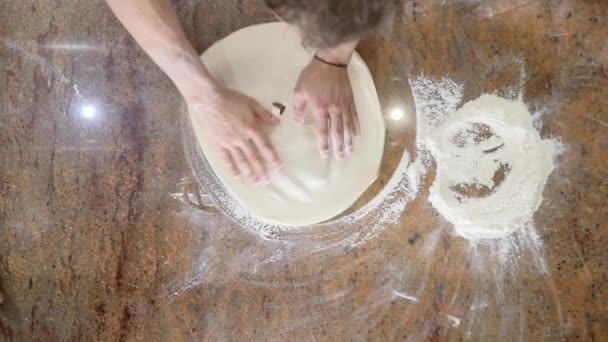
(321, 122)
(299, 107)
(355, 122)
(348, 133)
(269, 154)
(337, 132)
(265, 115)
(255, 161)
(241, 163)
(227, 158)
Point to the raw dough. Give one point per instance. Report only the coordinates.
(264, 62)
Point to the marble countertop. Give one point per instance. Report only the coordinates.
(106, 234)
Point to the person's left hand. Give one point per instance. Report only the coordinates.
(327, 92)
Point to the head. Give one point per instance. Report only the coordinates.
(328, 23)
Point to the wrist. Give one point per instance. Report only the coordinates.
(197, 85)
(197, 89)
(340, 54)
(190, 76)
(333, 64)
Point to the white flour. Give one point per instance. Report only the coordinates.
(435, 100)
(492, 164)
(487, 140)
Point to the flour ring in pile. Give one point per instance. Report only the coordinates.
(264, 62)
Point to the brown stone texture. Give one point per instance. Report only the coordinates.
(95, 246)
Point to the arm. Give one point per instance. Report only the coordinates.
(155, 27)
(326, 90)
(231, 118)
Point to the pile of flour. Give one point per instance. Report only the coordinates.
(492, 164)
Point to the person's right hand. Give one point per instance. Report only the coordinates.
(234, 120)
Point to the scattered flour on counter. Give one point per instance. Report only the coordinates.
(454, 321)
(435, 100)
(491, 164)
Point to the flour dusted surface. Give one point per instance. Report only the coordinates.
(492, 167)
(491, 163)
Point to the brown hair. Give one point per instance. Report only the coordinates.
(328, 23)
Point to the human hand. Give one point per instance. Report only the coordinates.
(234, 122)
(326, 90)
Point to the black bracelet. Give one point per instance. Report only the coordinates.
(337, 65)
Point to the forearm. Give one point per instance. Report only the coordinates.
(156, 28)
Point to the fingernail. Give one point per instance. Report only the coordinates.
(324, 154)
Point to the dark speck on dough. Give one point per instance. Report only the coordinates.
(280, 106)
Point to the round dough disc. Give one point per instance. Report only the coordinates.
(264, 62)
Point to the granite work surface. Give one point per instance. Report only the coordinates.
(106, 233)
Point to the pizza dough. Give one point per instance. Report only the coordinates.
(264, 62)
